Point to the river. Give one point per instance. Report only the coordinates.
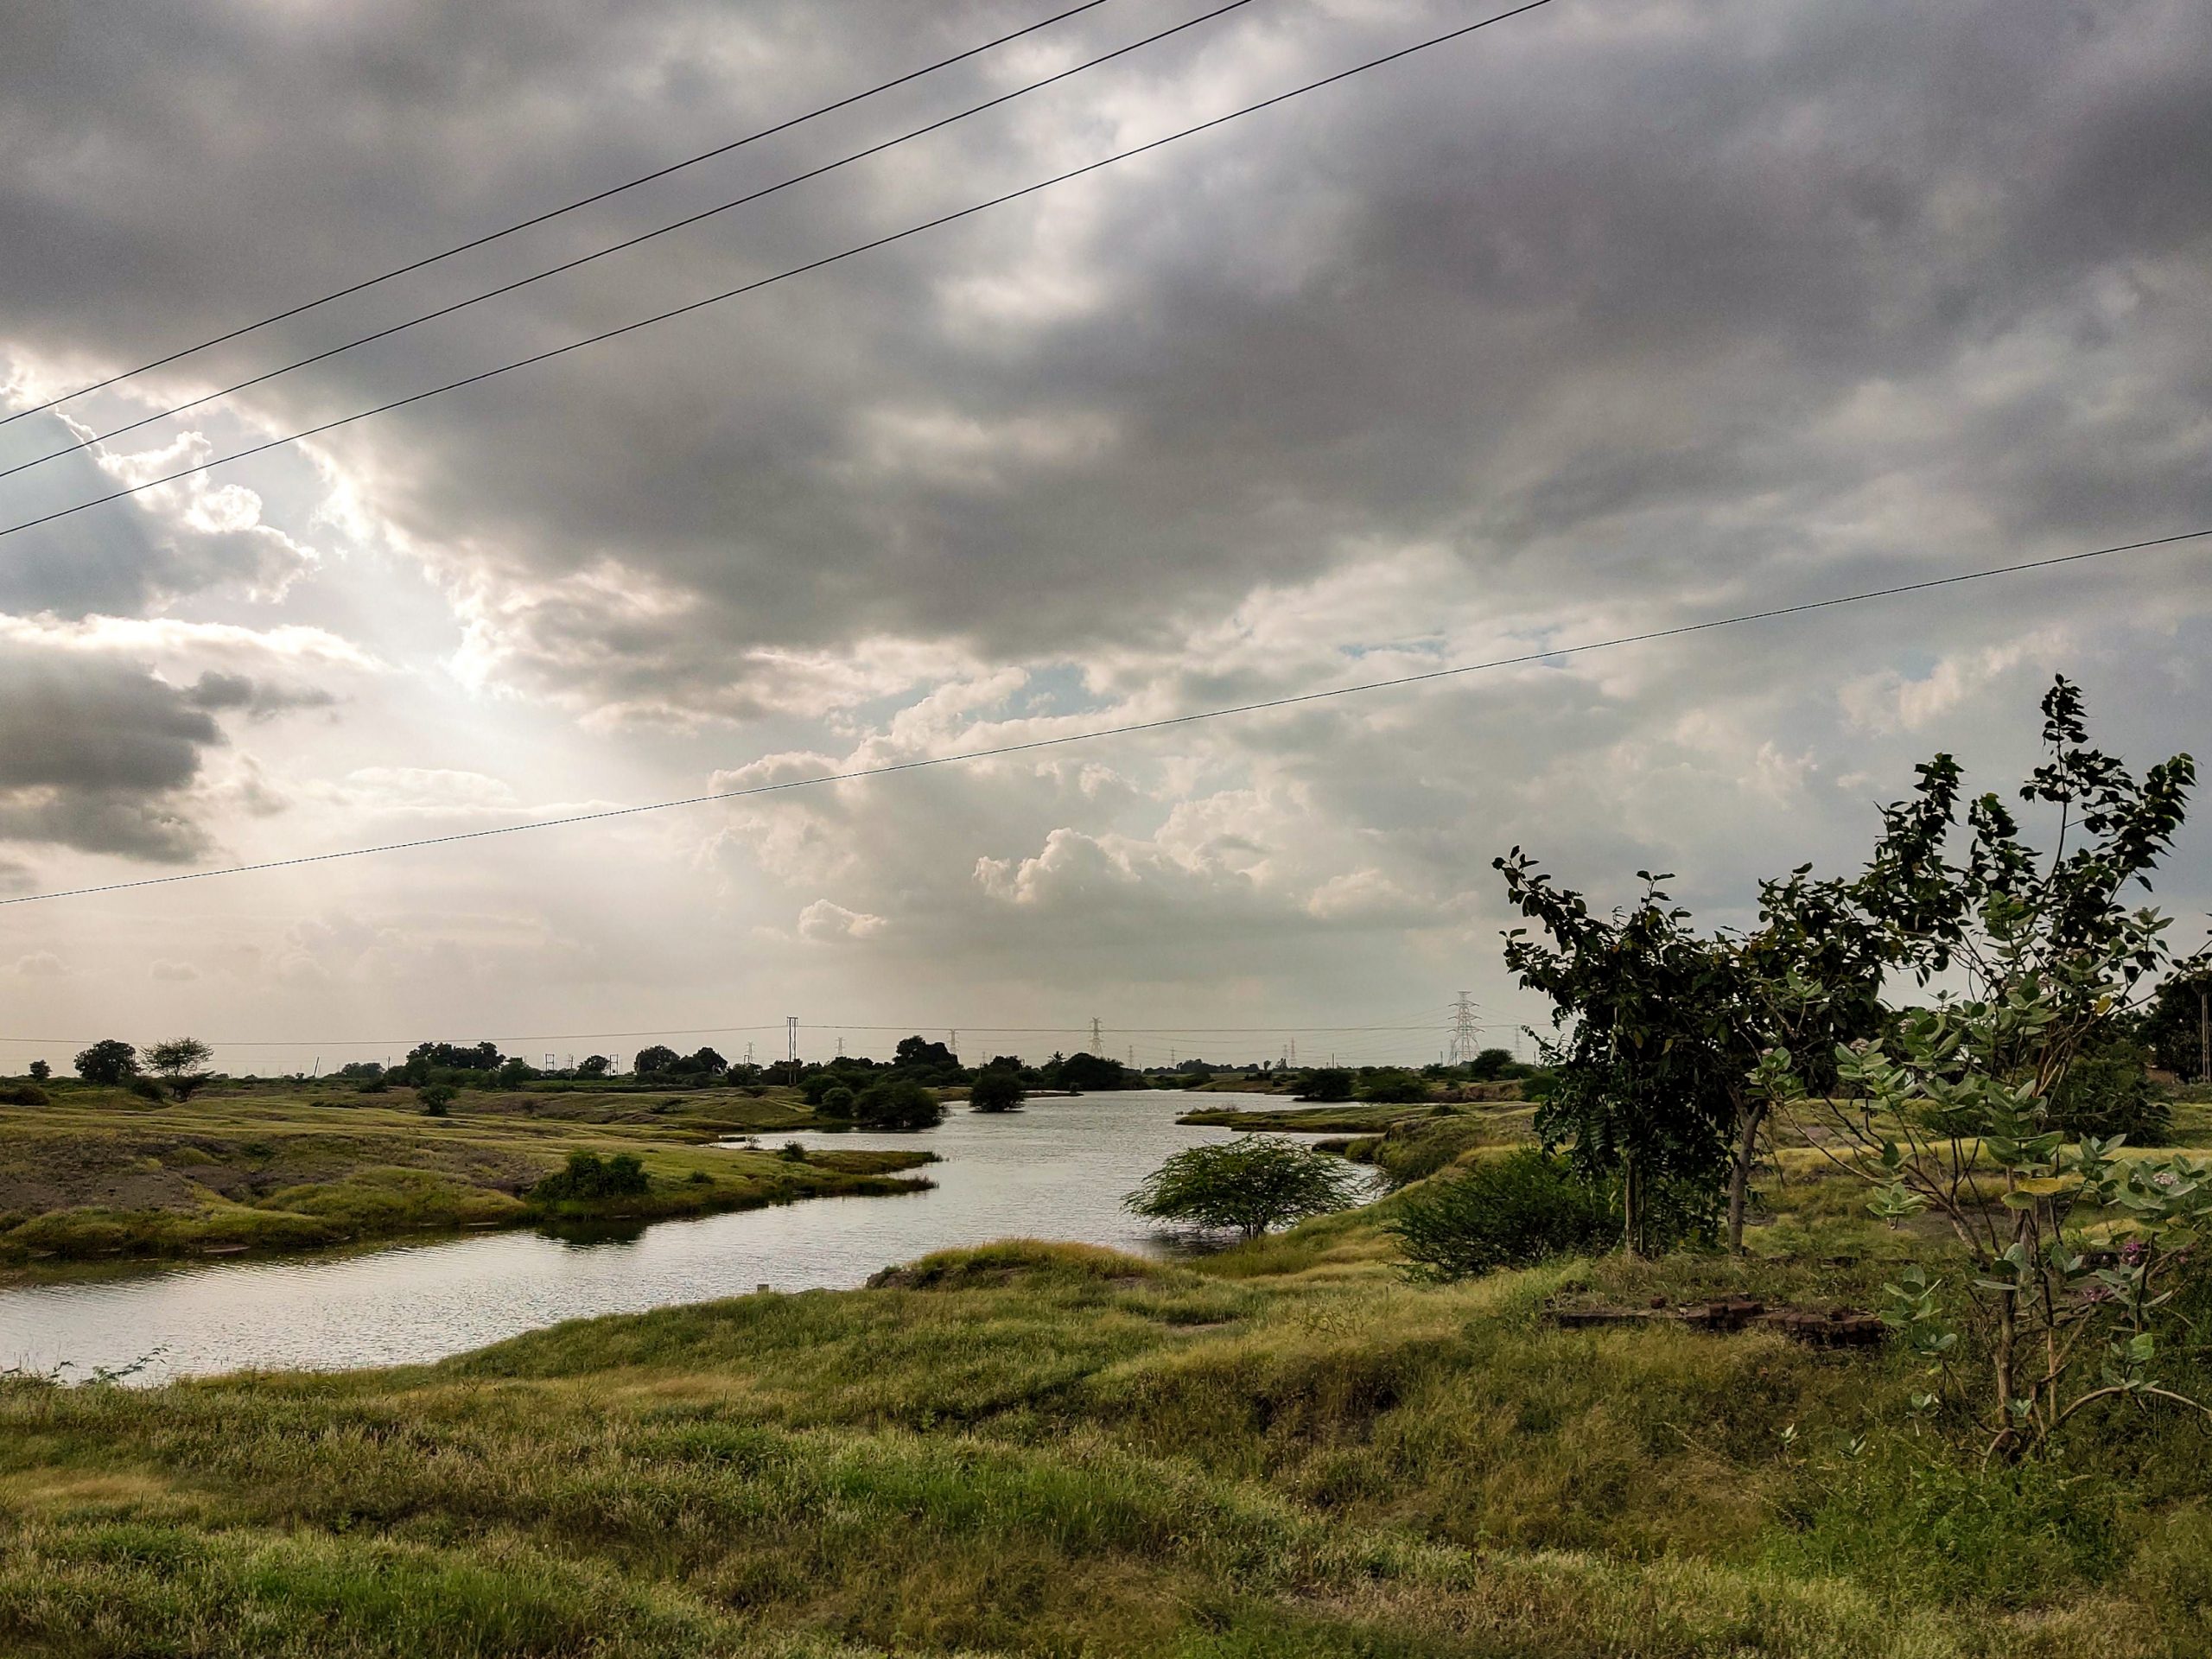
(1055, 1170)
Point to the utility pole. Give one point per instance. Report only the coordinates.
(790, 1039)
(841, 1048)
(952, 1041)
(1466, 1035)
(748, 1053)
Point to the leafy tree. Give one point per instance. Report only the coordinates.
(1953, 1112)
(917, 1052)
(996, 1089)
(1388, 1086)
(1080, 1071)
(40, 1071)
(110, 1060)
(1491, 1065)
(1655, 1082)
(517, 1071)
(594, 1065)
(836, 1100)
(182, 1064)
(707, 1063)
(481, 1056)
(658, 1058)
(436, 1100)
(2175, 1024)
(1642, 1095)
(2108, 1092)
(898, 1103)
(1504, 1213)
(1328, 1082)
(1252, 1184)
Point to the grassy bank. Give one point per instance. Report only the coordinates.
(1341, 1119)
(101, 1174)
(1281, 1449)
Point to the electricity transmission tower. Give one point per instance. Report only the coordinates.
(1466, 1035)
(1098, 1043)
(791, 1038)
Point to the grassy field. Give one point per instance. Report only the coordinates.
(1046, 1449)
(102, 1173)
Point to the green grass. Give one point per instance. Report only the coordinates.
(99, 1175)
(1345, 1118)
(1283, 1448)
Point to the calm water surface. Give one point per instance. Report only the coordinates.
(1055, 1170)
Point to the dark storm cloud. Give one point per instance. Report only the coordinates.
(98, 754)
(257, 699)
(1637, 298)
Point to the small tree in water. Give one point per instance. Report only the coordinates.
(1251, 1184)
(996, 1090)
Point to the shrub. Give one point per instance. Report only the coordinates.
(2110, 1093)
(146, 1089)
(436, 1100)
(897, 1103)
(23, 1094)
(374, 1086)
(1387, 1088)
(1330, 1083)
(792, 1153)
(837, 1102)
(1504, 1212)
(1252, 1183)
(996, 1090)
(587, 1177)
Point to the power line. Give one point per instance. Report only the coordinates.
(552, 213)
(1129, 727)
(778, 277)
(87, 442)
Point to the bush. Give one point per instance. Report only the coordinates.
(1390, 1088)
(792, 1153)
(898, 1103)
(1504, 1212)
(837, 1102)
(586, 1178)
(1252, 1183)
(436, 1100)
(996, 1091)
(1330, 1083)
(2111, 1094)
(23, 1094)
(146, 1089)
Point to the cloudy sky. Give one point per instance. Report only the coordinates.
(1621, 314)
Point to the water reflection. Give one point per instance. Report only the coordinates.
(1057, 1170)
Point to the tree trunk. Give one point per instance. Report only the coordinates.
(1749, 1116)
(1630, 1243)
